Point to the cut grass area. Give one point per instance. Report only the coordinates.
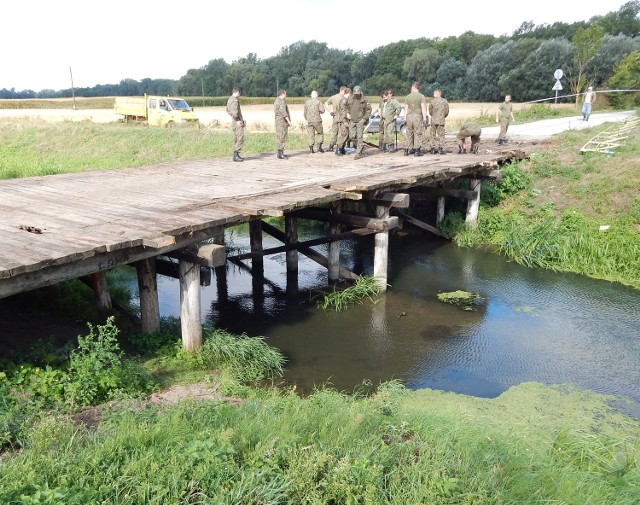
(27, 151)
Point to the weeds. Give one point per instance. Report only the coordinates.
(366, 287)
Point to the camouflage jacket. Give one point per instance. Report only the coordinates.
(233, 108)
(438, 110)
(313, 109)
(391, 110)
(281, 110)
(359, 108)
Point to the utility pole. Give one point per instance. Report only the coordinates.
(73, 92)
(202, 80)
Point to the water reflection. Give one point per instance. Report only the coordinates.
(532, 325)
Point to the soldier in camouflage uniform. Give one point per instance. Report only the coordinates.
(438, 110)
(390, 113)
(343, 123)
(237, 123)
(283, 122)
(313, 110)
(504, 115)
(358, 112)
(415, 113)
(472, 130)
(381, 106)
(333, 106)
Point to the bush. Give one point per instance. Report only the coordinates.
(514, 180)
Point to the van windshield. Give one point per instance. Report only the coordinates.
(179, 104)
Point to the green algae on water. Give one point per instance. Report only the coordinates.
(463, 299)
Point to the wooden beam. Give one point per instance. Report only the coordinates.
(148, 293)
(357, 233)
(101, 292)
(455, 193)
(487, 174)
(333, 254)
(99, 262)
(170, 269)
(420, 224)
(308, 252)
(206, 255)
(190, 312)
(396, 200)
(348, 219)
(274, 287)
(440, 211)
(158, 241)
(291, 237)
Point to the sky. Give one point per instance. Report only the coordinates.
(44, 42)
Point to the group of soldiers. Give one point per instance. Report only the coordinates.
(350, 112)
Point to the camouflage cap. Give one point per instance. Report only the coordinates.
(357, 90)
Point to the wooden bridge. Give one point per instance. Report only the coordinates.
(62, 227)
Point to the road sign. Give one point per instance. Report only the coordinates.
(558, 74)
(557, 86)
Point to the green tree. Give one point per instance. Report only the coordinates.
(422, 65)
(586, 43)
(612, 50)
(451, 78)
(624, 21)
(626, 76)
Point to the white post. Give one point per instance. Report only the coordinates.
(474, 204)
(101, 292)
(190, 305)
(381, 250)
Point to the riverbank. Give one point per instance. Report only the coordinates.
(234, 443)
(565, 210)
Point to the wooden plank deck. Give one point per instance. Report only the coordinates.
(87, 215)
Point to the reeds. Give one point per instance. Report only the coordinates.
(365, 288)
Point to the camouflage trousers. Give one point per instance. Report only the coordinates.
(354, 131)
(437, 135)
(415, 131)
(238, 136)
(316, 134)
(504, 126)
(381, 129)
(335, 130)
(389, 131)
(282, 132)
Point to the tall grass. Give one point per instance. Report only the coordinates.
(365, 288)
(397, 447)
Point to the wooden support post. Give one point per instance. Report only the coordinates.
(291, 236)
(473, 204)
(334, 247)
(440, 213)
(257, 266)
(381, 252)
(101, 293)
(148, 292)
(217, 237)
(190, 305)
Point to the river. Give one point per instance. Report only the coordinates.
(530, 324)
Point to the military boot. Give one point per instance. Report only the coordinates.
(320, 150)
(460, 150)
(474, 150)
(281, 155)
(331, 146)
(418, 152)
(339, 151)
(442, 151)
(391, 148)
(381, 145)
(406, 151)
(236, 156)
(311, 149)
(384, 147)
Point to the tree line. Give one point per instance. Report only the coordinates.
(468, 67)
